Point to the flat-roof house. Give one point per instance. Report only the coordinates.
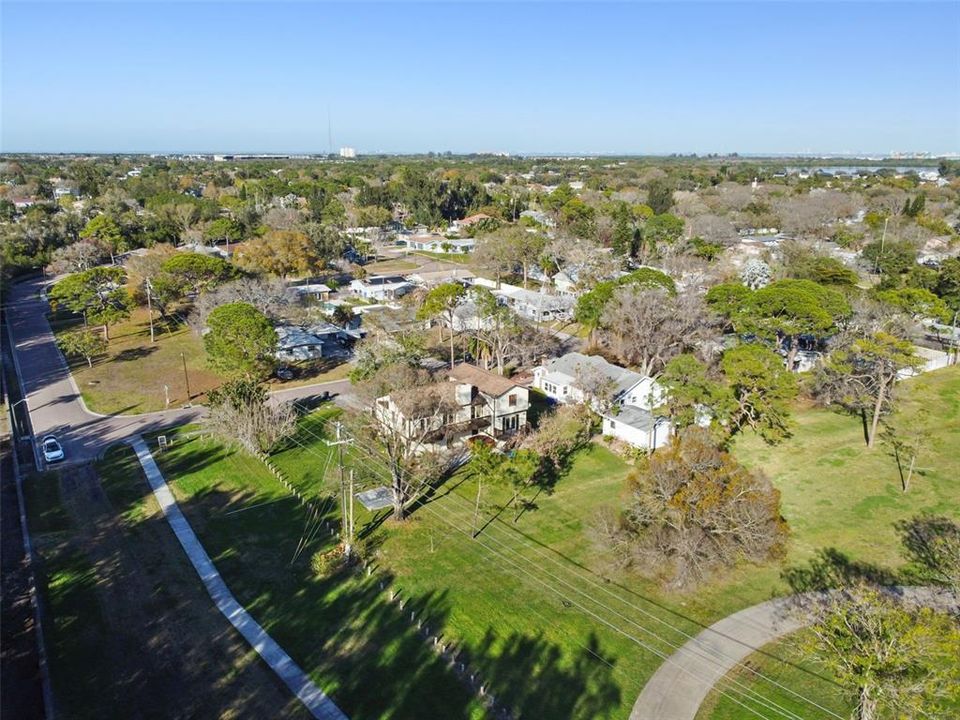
(440, 244)
(381, 287)
(312, 291)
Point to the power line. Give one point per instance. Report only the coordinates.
(585, 575)
(247, 460)
(771, 705)
(758, 699)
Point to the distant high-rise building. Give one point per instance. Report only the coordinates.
(348, 152)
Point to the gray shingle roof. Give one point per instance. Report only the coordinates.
(571, 363)
(635, 417)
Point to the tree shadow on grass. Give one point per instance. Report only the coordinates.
(136, 353)
(375, 657)
(832, 568)
(535, 679)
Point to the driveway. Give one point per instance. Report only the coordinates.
(679, 687)
(54, 401)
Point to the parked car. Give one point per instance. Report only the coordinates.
(285, 373)
(52, 450)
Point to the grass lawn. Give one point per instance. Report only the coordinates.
(838, 494)
(131, 378)
(129, 629)
(488, 596)
(458, 259)
(587, 651)
(341, 630)
(791, 670)
(340, 371)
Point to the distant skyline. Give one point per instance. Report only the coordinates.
(537, 78)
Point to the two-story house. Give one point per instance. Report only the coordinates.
(470, 403)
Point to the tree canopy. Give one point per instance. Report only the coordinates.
(693, 510)
(240, 340)
(97, 294)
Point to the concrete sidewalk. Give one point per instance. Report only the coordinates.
(313, 698)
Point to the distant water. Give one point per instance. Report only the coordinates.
(861, 170)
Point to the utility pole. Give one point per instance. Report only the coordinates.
(150, 311)
(186, 378)
(883, 238)
(166, 394)
(350, 497)
(346, 494)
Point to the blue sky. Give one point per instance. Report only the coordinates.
(532, 77)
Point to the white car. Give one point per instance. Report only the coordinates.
(52, 451)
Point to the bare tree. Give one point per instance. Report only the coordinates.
(406, 422)
(908, 438)
(713, 228)
(269, 295)
(647, 327)
(591, 262)
(240, 412)
(282, 218)
(693, 509)
(79, 256)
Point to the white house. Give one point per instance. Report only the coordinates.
(564, 283)
(380, 287)
(538, 217)
(638, 427)
(563, 379)
(628, 411)
(536, 306)
(440, 244)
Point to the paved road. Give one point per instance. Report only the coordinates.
(55, 404)
(313, 698)
(679, 687)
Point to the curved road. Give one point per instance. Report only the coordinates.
(683, 681)
(54, 401)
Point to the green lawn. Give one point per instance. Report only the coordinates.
(129, 629)
(488, 595)
(456, 258)
(342, 630)
(131, 378)
(838, 494)
(784, 679)
(495, 598)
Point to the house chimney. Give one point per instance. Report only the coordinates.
(464, 393)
